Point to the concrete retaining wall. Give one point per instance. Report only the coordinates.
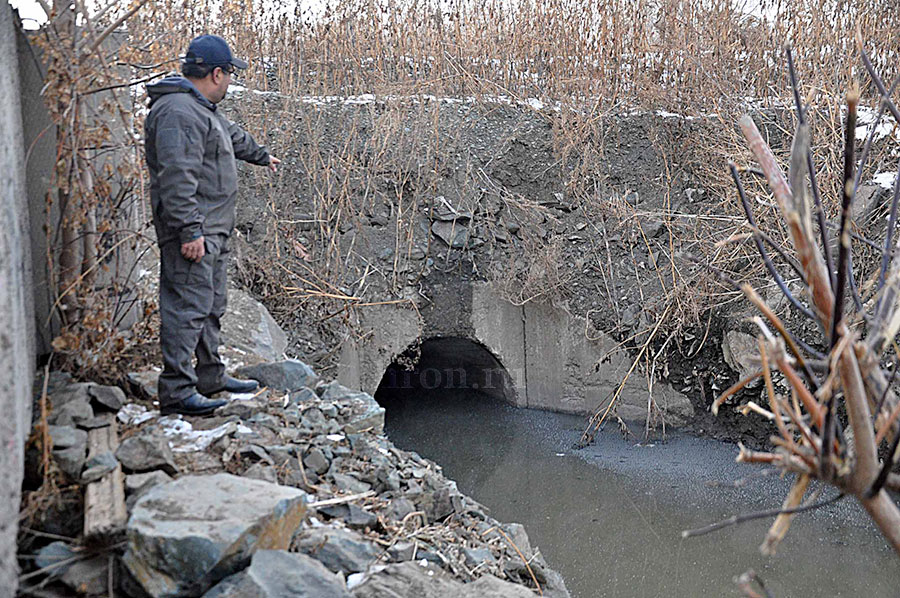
(16, 309)
(551, 362)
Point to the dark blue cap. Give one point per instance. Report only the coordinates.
(211, 50)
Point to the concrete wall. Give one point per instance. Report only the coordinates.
(39, 140)
(551, 361)
(16, 315)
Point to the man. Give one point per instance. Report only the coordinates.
(191, 150)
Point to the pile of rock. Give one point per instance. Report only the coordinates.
(293, 491)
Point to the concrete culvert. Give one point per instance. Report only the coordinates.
(446, 368)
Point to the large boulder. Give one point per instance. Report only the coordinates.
(280, 574)
(249, 333)
(186, 535)
(288, 375)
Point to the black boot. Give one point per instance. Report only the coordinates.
(196, 404)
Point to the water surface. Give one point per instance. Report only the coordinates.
(609, 517)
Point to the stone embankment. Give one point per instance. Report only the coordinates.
(292, 491)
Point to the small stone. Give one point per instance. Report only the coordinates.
(144, 383)
(71, 413)
(110, 398)
(89, 577)
(347, 483)
(400, 508)
(478, 556)
(304, 395)
(52, 555)
(360, 518)
(454, 234)
(146, 453)
(67, 436)
(242, 409)
(259, 471)
(316, 461)
(340, 550)
(98, 466)
(256, 453)
(402, 551)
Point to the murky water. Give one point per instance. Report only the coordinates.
(609, 517)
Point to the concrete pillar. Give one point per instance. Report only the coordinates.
(16, 345)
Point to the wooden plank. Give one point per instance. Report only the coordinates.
(105, 514)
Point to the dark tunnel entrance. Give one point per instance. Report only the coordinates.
(442, 369)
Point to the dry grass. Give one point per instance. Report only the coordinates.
(587, 62)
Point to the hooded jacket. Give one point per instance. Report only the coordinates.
(191, 150)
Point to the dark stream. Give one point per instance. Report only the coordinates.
(609, 517)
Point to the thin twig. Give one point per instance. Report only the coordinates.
(737, 519)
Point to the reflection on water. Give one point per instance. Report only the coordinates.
(612, 526)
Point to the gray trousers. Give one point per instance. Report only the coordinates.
(192, 298)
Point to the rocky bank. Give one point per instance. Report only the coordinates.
(292, 491)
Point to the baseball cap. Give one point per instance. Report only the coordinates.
(211, 50)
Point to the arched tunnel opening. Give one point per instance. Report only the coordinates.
(440, 370)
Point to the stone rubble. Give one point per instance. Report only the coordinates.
(290, 491)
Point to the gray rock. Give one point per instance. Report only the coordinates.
(304, 395)
(186, 535)
(446, 212)
(402, 551)
(138, 483)
(69, 449)
(98, 466)
(316, 461)
(146, 453)
(741, 353)
(340, 550)
(348, 483)
(89, 577)
(71, 460)
(288, 375)
(366, 412)
(413, 579)
(259, 471)
(360, 518)
(144, 383)
(400, 508)
(454, 234)
(110, 398)
(71, 413)
(242, 409)
(53, 555)
(65, 393)
(249, 327)
(478, 556)
(67, 436)
(280, 574)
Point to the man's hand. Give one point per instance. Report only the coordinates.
(193, 250)
(273, 163)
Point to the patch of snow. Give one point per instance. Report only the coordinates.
(133, 414)
(885, 179)
(183, 438)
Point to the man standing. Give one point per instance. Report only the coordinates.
(191, 150)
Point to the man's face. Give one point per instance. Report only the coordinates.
(221, 80)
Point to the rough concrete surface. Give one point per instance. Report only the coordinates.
(16, 315)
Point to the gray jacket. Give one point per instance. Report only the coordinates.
(191, 150)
